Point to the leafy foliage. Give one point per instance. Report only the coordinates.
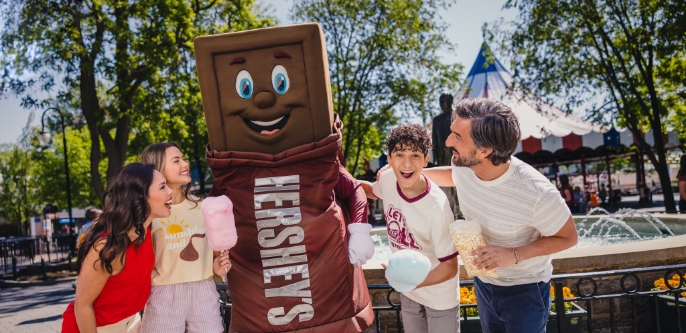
(126, 64)
(622, 58)
(384, 65)
(49, 176)
(17, 190)
(33, 176)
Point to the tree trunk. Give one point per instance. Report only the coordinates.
(91, 109)
(116, 147)
(662, 168)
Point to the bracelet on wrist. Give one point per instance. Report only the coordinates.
(516, 255)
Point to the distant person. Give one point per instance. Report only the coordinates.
(612, 197)
(587, 195)
(592, 202)
(567, 192)
(579, 199)
(602, 194)
(92, 214)
(681, 179)
(116, 258)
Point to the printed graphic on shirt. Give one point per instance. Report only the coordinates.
(399, 236)
(180, 235)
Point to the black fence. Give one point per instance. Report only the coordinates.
(17, 253)
(627, 300)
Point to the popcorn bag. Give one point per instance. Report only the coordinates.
(467, 237)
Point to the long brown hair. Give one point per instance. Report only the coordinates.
(126, 206)
(155, 154)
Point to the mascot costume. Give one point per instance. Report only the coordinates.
(275, 148)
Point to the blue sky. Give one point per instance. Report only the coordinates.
(465, 20)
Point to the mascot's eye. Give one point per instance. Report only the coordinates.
(244, 84)
(280, 79)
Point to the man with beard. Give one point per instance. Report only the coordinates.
(522, 215)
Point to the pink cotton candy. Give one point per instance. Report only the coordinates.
(220, 225)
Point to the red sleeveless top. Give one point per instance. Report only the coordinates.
(124, 294)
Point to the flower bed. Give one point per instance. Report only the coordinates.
(666, 303)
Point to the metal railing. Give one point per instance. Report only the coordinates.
(632, 288)
(631, 304)
(17, 253)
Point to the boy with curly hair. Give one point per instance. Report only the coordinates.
(417, 218)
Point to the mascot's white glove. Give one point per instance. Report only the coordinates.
(361, 245)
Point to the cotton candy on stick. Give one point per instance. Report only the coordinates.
(220, 224)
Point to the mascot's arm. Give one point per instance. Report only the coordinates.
(215, 192)
(351, 194)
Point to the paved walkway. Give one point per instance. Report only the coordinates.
(34, 309)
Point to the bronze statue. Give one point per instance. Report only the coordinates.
(441, 130)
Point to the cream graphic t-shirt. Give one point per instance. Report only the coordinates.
(181, 250)
(421, 224)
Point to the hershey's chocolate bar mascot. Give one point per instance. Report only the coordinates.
(274, 151)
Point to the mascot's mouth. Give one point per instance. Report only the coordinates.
(267, 127)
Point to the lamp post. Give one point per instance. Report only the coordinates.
(44, 139)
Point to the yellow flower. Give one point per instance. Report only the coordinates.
(673, 283)
(659, 282)
(663, 286)
(676, 277)
(472, 298)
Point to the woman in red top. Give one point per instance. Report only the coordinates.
(116, 258)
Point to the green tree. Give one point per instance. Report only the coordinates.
(384, 64)
(33, 176)
(17, 190)
(48, 172)
(614, 55)
(16, 194)
(115, 57)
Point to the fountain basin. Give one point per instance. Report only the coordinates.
(632, 253)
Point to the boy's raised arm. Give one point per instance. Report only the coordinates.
(442, 176)
(367, 186)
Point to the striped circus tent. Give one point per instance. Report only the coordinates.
(550, 136)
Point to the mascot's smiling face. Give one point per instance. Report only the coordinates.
(269, 98)
(264, 96)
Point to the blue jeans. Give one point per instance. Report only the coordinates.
(522, 308)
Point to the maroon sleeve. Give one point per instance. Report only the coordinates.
(215, 192)
(352, 195)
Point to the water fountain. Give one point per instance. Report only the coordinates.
(605, 229)
(624, 233)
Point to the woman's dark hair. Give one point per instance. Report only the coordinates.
(155, 154)
(126, 206)
(408, 137)
(682, 166)
(564, 180)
